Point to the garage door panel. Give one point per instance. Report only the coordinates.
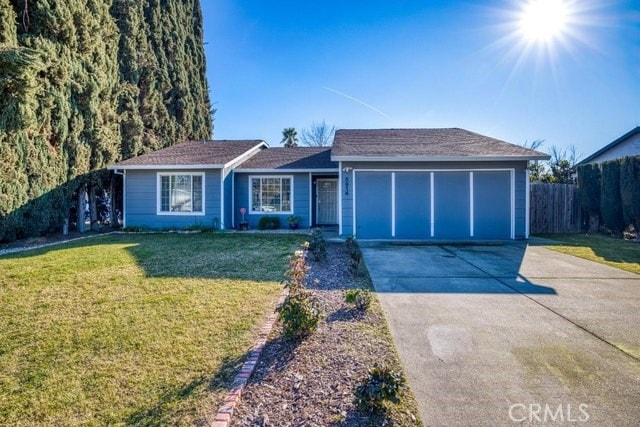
(373, 205)
(413, 205)
(452, 205)
(492, 205)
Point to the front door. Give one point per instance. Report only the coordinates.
(327, 201)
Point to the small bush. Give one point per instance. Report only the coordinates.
(355, 254)
(361, 298)
(296, 275)
(269, 223)
(318, 245)
(381, 384)
(298, 314)
(135, 229)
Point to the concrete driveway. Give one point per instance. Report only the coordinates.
(500, 335)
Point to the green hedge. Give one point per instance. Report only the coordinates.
(630, 190)
(85, 84)
(610, 197)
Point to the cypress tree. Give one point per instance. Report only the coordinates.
(85, 83)
(589, 193)
(630, 191)
(610, 199)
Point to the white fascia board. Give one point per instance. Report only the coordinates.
(246, 155)
(435, 158)
(240, 170)
(163, 167)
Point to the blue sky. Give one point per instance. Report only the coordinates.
(277, 64)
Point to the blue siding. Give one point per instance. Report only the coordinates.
(492, 205)
(346, 192)
(413, 205)
(301, 198)
(452, 208)
(228, 199)
(373, 205)
(141, 202)
(521, 198)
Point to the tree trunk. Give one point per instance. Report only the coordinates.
(113, 210)
(80, 214)
(93, 209)
(594, 224)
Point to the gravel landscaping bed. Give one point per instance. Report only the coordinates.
(311, 382)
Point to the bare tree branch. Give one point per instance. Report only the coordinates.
(318, 135)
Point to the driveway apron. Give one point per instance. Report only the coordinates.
(512, 334)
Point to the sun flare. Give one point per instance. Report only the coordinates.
(544, 20)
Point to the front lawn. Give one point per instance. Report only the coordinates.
(132, 329)
(618, 253)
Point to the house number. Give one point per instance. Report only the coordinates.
(346, 185)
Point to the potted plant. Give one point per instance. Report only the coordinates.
(294, 221)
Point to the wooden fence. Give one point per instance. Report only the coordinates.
(555, 208)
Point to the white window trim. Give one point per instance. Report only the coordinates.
(159, 176)
(251, 177)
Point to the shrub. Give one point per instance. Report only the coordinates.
(361, 298)
(269, 223)
(355, 254)
(318, 245)
(381, 384)
(296, 275)
(298, 314)
(610, 199)
(630, 191)
(589, 193)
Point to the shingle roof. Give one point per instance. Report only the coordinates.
(291, 158)
(424, 144)
(193, 153)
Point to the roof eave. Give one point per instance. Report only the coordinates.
(287, 170)
(163, 167)
(247, 154)
(437, 158)
(609, 146)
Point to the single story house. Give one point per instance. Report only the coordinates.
(627, 145)
(407, 184)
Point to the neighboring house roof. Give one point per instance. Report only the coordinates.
(194, 154)
(280, 158)
(593, 158)
(448, 144)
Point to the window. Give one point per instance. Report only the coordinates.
(271, 194)
(181, 194)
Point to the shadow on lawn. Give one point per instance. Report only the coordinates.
(606, 247)
(207, 255)
(163, 412)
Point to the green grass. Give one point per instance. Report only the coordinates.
(132, 329)
(618, 253)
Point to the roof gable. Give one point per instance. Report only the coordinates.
(444, 144)
(190, 154)
(303, 158)
(611, 145)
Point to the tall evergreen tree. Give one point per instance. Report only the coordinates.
(85, 83)
(610, 199)
(589, 193)
(630, 191)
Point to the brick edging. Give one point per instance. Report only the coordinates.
(225, 412)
